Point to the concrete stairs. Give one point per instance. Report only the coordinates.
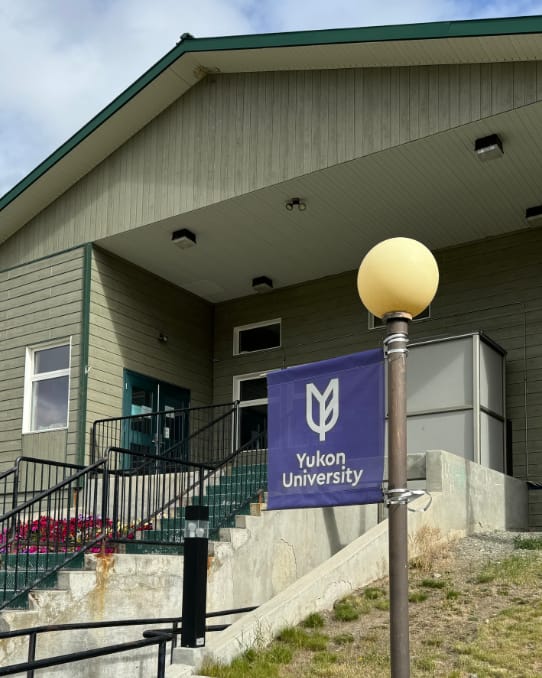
(85, 592)
(230, 497)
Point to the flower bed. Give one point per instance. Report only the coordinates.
(66, 535)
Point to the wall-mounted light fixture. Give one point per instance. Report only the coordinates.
(262, 284)
(183, 238)
(296, 202)
(489, 148)
(533, 215)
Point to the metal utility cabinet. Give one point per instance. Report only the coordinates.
(456, 398)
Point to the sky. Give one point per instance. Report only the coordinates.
(61, 61)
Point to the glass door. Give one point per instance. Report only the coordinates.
(146, 431)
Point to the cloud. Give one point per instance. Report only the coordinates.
(61, 62)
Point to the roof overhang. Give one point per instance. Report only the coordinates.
(434, 189)
(481, 41)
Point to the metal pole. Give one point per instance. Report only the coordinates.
(161, 659)
(31, 653)
(396, 342)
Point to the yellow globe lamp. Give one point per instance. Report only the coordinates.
(398, 275)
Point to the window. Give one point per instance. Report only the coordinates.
(257, 337)
(251, 391)
(375, 322)
(47, 388)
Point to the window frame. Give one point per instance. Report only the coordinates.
(237, 379)
(30, 378)
(252, 326)
(378, 326)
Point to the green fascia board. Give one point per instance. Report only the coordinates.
(422, 31)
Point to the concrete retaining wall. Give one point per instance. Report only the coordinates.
(467, 498)
(253, 564)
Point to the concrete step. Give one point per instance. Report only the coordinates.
(42, 561)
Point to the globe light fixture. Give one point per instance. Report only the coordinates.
(397, 280)
(399, 274)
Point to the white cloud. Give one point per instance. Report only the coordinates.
(61, 62)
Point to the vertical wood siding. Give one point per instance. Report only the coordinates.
(494, 286)
(129, 308)
(39, 302)
(231, 134)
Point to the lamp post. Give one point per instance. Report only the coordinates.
(397, 280)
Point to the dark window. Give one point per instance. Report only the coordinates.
(258, 338)
(253, 389)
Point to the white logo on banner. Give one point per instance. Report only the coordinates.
(328, 413)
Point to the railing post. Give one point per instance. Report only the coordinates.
(31, 652)
(15, 499)
(174, 639)
(200, 486)
(235, 432)
(162, 659)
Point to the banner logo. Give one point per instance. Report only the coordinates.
(326, 432)
(328, 412)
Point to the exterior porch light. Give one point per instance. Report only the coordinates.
(397, 280)
(183, 238)
(262, 284)
(533, 215)
(296, 202)
(489, 148)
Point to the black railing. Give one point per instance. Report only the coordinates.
(147, 506)
(126, 496)
(198, 434)
(28, 477)
(50, 530)
(158, 637)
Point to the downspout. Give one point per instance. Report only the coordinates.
(83, 369)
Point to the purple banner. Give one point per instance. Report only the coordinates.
(326, 432)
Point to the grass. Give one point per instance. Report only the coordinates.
(433, 583)
(528, 543)
(313, 621)
(485, 620)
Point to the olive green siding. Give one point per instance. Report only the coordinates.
(39, 302)
(494, 285)
(129, 308)
(235, 133)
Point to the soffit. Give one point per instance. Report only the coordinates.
(434, 190)
(487, 49)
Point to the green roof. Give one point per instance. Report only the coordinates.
(401, 32)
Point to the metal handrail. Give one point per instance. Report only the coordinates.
(14, 482)
(146, 485)
(30, 667)
(51, 500)
(207, 475)
(160, 636)
(114, 430)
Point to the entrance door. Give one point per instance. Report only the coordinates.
(145, 431)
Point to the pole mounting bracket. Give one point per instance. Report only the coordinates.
(401, 495)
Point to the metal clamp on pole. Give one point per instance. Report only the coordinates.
(401, 495)
(396, 338)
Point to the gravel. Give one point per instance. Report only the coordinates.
(487, 546)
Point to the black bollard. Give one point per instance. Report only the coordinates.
(196, 539)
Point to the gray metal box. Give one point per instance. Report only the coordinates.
(456, 398)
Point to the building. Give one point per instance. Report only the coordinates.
(132, 260)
